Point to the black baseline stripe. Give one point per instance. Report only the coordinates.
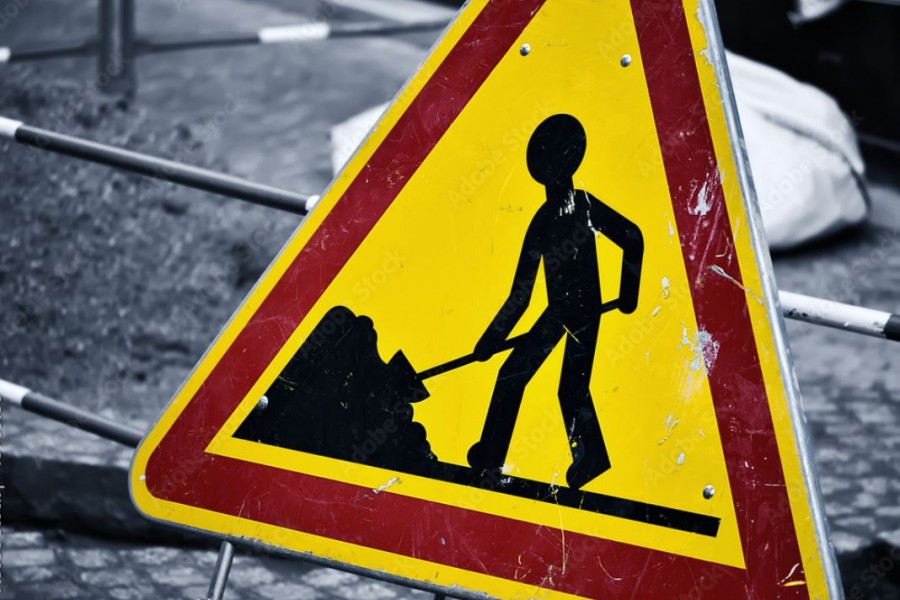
(632, 510)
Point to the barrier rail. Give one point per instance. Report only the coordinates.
(158, 168)
(304, 32)
(74, 417)
(47, 51)
(300, 33)
(118, 44)
(836, 315)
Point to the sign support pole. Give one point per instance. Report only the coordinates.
(74, 417)
(115, 58)
(223, 567)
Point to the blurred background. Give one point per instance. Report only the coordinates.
(112, 285)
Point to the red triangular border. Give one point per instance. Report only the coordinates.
(180, 471)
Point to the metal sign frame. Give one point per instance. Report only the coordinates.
(717, 57)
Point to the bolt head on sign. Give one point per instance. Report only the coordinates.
(526, 344)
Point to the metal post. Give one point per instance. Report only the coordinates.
(46, 51)
(223, 567)
(115, 59)
(128, 46)
(281, 34)
(106, 40)
(158, 168)
(69, 415)
(836, 315)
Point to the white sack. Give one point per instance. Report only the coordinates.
(809, 10)
(803, 153)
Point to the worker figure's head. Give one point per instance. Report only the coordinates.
(556, 150)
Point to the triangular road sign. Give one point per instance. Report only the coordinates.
(527, 344)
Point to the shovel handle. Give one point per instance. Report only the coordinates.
(467, 359)
(506, 345)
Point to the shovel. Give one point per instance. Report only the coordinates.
(417, 379)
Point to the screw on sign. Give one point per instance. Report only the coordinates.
(679, 470)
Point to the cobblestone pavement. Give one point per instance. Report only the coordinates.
(46, 566)
(850, 384)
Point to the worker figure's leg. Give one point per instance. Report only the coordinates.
(589, 456)
(518, 369)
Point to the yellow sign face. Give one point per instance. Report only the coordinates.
(524, 345)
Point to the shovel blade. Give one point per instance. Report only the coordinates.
(407, 377)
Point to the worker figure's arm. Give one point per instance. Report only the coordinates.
(627, 236)
(519, 297)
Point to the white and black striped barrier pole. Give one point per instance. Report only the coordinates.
(74, 417)
(284, 34)
(46, 51)
(159, 168)
(837, 315)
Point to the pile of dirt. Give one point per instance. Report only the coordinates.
(114, 284)
(337, 397)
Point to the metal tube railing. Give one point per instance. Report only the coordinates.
(837, 315)
(48, 51)
(291, 34)
(158, 168)
(155, 44)
(45, 406)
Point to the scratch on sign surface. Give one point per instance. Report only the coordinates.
(608, 574)
(562, 528)
(704, 348)
(671, 424)
(789, 575)
(721, 273)
(387, 485)
(703, 204)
